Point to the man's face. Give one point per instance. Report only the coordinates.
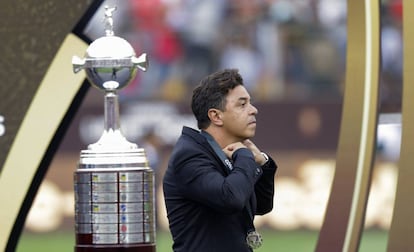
(239, 118)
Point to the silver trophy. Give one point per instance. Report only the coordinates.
(114, 185)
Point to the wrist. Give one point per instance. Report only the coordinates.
(265, 158)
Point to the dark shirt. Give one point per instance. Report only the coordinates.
(206, 202)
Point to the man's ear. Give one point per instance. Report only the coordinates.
(215, 116)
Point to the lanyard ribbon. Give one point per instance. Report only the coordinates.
(253, 239)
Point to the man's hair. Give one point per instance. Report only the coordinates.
(212, 92)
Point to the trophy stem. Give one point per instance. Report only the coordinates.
(111, 111)
(112, 138)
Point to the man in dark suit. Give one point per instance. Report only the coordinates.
(217, 179)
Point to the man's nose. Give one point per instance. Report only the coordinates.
(254, 110)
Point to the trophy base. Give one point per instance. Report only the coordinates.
(114, 202)
(116, 248)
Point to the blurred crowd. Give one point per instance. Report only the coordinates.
(285, 49)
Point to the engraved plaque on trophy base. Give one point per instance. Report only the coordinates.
(114, 209)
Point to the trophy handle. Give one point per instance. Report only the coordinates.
(141, 62)
(77, 63)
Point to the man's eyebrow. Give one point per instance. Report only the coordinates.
(245, 99)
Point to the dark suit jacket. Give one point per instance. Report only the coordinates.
(206, 201)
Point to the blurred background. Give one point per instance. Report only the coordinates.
(291, 54)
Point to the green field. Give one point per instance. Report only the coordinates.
(293, 241)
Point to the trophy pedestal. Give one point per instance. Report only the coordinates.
(110, 248)
(107, 248)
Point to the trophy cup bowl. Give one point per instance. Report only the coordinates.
(110, 63)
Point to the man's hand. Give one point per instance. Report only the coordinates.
(231, 148)
(258, 155)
